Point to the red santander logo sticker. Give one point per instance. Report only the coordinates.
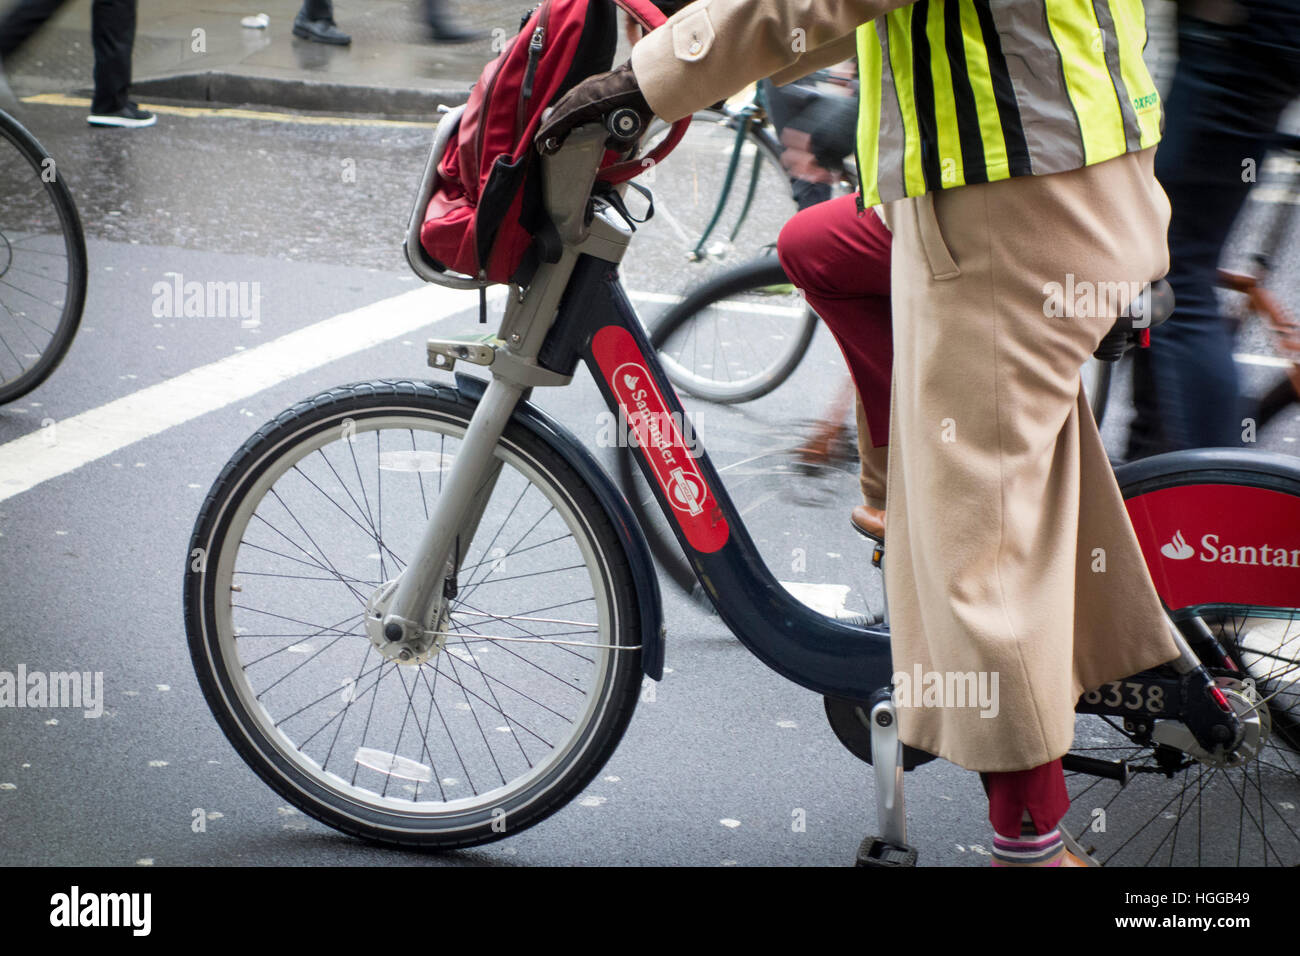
(659, 434)
(1220, 544)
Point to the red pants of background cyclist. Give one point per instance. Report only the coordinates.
(840, 260)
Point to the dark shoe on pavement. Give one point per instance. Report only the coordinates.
(445, 29)
(319, 31)
(129, 117)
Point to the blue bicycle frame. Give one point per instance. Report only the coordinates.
(834, 658)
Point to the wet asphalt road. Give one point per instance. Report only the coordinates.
(92, 560)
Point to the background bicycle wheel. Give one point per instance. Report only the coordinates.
(42, 263)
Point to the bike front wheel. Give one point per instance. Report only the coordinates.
(533, 668)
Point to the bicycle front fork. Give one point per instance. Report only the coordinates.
(404, 609)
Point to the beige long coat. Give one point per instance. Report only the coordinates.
(1010, 554)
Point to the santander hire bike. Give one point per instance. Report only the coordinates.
(423, 613)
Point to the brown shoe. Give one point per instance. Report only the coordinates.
(1075, 855)
(869, 521)
(1069, 859)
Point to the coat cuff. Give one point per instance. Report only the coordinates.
(672, 72)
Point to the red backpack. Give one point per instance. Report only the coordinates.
(486, 218)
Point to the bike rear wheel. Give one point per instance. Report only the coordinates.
(42, 263)
(534, 667)
(1169, 808)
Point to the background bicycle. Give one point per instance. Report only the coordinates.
(1263, 315)
(727, 192)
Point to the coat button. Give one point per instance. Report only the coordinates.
(696, 46)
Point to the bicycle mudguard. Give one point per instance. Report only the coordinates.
(630, 535)
(1231, 538)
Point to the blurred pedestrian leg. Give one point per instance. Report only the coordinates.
(1238, 68)
(112, 34)
(315, 22)
(444, 27)
(22, 20)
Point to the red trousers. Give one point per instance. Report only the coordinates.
(840, 261)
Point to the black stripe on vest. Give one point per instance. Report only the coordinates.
(923, 94)
(968, 124)
(1013, 133)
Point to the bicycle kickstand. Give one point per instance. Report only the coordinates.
(891, 848)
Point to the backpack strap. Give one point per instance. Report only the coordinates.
(643, 11)
(650, 17)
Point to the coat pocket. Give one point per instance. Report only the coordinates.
(942, 264)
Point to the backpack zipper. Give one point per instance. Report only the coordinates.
(535, 46)
(534, 55)
(480, 139)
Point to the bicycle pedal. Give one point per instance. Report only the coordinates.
(865, 533)
(877, 545)
(876, 852)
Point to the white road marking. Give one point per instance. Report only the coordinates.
(1278, 195)
(27, 461)
(751, 308)
(1270, 361)
(827, 599)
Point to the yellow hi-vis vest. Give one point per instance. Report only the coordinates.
(955, 92)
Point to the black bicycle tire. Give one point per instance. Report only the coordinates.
(755, 274)
(257, 454)
(74, 241)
